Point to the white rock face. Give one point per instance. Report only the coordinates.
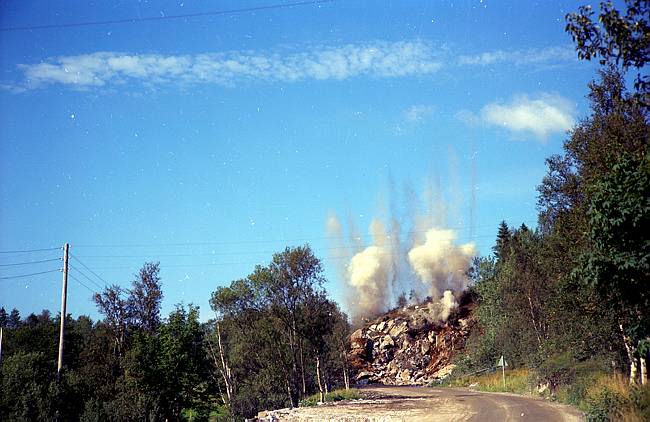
(405, 348)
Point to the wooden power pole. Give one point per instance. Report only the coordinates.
(64, 297)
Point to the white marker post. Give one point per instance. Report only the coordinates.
(502, 363)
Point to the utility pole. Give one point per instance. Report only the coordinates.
(0, 345)
(64, 297)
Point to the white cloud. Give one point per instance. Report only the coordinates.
(378, 59)
(415, 113)
(547, 55)
(541, 116)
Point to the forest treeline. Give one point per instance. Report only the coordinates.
(275, 339)
(578, 283)
(570, 299)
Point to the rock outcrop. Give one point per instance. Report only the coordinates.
(409, 346)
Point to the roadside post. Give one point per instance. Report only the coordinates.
(503, 363)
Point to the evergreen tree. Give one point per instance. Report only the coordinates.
(503, 238)
(14, 319)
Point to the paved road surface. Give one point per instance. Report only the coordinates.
(387, 404)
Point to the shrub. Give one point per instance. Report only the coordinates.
(607, 398)
(336, 395)
(557, 370)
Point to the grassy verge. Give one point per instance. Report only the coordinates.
(518, 381)
(601, 396)
(336, 395)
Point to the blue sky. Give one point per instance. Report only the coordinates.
(208, 143)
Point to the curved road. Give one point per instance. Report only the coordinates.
(389, 403)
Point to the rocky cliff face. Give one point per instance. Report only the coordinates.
(409, 346)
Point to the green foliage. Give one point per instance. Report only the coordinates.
(271, 329)
(145, 297)
(26, 384)
(618, 263)
(336, 395)
(552, 299)
(607, 399)
(557, 370)
(168, 367)
(615, 38)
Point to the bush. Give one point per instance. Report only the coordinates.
(641, 401)
(336, 395)
(607, 398)
(584, 375)
(610, 397)
(557, 370)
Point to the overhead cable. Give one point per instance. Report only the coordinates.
(79, 281)
(86, 277)
(29, 275)
(88, 268)
(13, 264)
(32, 250)
(164, 17)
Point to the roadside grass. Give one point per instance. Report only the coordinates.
(602, 396)
(336, 395)
(518, 381)
(611, 397)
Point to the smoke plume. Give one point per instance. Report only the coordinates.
(368, 274)
(439, 263)
(413, 251)
(441, 308)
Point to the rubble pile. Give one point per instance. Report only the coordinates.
(409, 346)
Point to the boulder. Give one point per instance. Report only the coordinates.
(392, 367)
(444, 371)
(404, 375)
(417, 324)
(358, 340)
(386, 342)
(398, 329)
(406, 343)
(365, 375)
(425, 346)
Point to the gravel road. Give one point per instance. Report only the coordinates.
(388, 403)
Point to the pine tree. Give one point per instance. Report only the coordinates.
(504, 235)
(14, 319)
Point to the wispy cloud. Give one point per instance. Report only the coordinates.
(541, 116)
(547, 55)
(415, 113)
(379, 59)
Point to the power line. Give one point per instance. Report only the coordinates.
(32, 250)
(246, 242)
(167, 17)
(86, 277)
(29, 262)
(79, 281)
(88, 268)
(29, 275)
